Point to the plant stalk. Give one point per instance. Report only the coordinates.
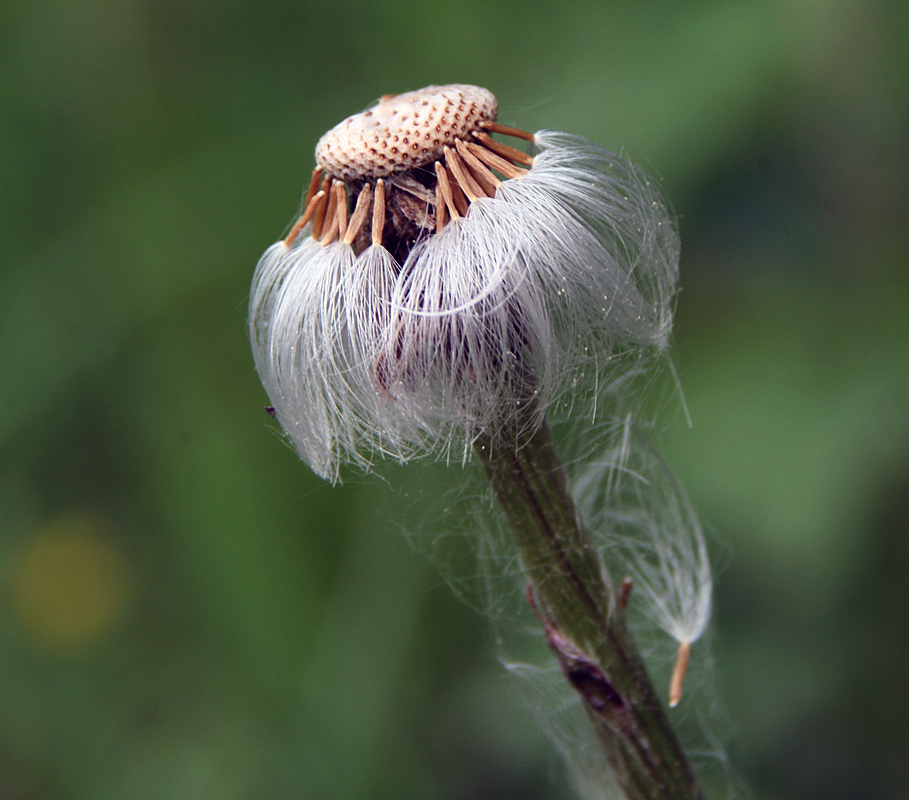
(584, 618)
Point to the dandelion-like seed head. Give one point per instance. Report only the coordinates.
(417, 159)
(440, 281)
(404, 132)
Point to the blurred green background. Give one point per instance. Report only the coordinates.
(187, 612)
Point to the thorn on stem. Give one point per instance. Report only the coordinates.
(625, 591)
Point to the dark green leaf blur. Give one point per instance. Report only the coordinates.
(187, 612)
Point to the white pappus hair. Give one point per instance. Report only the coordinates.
(647, 529)
(562, 270)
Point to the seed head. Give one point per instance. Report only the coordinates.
(404, 131)
(440, 279)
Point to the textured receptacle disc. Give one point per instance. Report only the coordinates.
(404, 132)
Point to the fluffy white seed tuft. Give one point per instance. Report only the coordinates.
(567, 267)
(647, 528)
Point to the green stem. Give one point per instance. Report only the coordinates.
(584, 620)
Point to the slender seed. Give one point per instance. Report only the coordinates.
(313, 186)
(361, 210)
(678, 674)
(341, 212)
(511, 153)
(483, 176)
(444, 186)
(378, 213)
(440, 205)
(307, 215)
(462, 176)
(506, 130)
(498, 163)
(460, 199)
(319, 217)
(329, 225)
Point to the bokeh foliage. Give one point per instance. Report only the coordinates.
(186, 612)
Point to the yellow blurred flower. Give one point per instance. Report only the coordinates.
(70, 584)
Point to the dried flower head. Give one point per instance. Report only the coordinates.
(438, 279)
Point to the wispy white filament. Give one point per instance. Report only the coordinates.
(642, 519)
(564, 268)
